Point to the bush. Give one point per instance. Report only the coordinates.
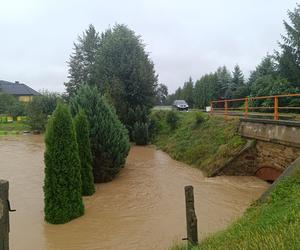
(136, 115)
(10, 105)
(199, 118)
(62, 184)
(85, 155)
(40, 108)
(172, 119)
(140, 132)
(109, 138)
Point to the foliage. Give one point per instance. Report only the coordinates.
(109, 138)
(274, 224)
(161, 94)
(137, 115)
(40, 108)
(10, 105)
(124, 70)
(206, 146)
(199, 118)
(117, 64)
(140, 133)
(85, 155)
(172, 119)
(288, 57)
(62, 184)
(82, 61)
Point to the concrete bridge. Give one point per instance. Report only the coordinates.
(272, 146)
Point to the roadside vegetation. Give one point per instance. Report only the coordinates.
(273, 224)
(196, 138)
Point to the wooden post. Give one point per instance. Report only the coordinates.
(4, 216)
(276, 116)
(246, 107)
(191, 218)
(211, 108)
(226, 110)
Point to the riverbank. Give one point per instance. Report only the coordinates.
(13, 128)
(197, 139)
(274, 224)
(143, 208)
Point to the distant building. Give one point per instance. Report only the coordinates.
(19, 90)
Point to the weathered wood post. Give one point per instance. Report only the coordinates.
(191, 218)
(4, 217)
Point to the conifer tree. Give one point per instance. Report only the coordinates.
(109, 138)
(85, 155)
(62, 184)
(82, 60)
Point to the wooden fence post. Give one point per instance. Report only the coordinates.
(4, 216)
(276, 115)
(191, 218)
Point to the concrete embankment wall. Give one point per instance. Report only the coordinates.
(272, 144)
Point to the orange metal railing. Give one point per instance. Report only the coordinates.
(242, 104)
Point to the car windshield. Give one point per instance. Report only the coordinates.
(180, 102)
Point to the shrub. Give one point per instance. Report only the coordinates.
(140, 133)
(62, 184)
(172, 119)
(109, 138)
(85, 155)
(199, 118)
(40, 108)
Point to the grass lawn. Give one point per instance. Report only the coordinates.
(13, 128)
(206, 144)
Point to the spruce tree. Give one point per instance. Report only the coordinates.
(85, 155)
(62, 183)
(109, 138)
(82, 60)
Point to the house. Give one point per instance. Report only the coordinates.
(19, 90)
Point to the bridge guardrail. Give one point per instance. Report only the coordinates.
(243, 107)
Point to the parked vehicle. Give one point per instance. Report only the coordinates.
(180, 105)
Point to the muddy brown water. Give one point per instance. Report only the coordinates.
(143, 208)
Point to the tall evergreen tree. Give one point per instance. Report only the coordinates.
(223, 83)
(266, 67)
(238, 87)
(122, 59)
(85, 155)
(109, 138)
(289, 56)
(188, 92)
(62, 184)
(82, 61)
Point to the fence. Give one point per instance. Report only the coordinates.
(244, 106)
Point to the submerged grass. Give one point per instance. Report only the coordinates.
(274, 224)
(198, 139)
(13, 128)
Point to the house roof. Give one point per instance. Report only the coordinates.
(19, 89)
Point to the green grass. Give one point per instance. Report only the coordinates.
(274, 224)
(207, 145)
(13, 128)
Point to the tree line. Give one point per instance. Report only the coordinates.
(277, 73)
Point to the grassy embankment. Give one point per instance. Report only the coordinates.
(198, 139)
(273, 224)
(13, 128)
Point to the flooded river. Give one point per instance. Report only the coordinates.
(143, 208)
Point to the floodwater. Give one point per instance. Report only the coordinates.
(143, 208)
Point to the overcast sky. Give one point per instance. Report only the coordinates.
(183, 38)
